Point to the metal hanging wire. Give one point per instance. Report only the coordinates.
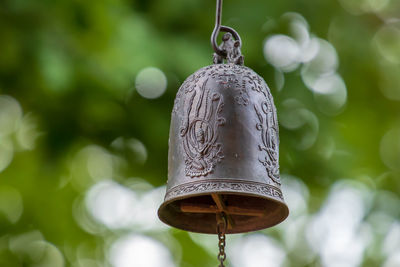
(220, 28)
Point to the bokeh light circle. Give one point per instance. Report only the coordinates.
(387, 41)
(326, 59)
(6, 153)
(141, 251)
(111, 204)
(390, 81)
(330, 93)
(310, 50)
(257, 250)
(303, 122)
(282, 52)
(10, 114)
(151, 83)
(32, 247)
(27, 132)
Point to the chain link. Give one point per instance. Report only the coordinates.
(221, 229)
(221, 245)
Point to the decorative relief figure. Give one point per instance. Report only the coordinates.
(268, 126)
(201, 118)
(199, 131)
(231, 48)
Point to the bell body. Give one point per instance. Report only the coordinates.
(224, 140)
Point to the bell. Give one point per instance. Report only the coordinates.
(224, 149)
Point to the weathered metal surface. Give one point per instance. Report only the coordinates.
(224, 140)
(224, 148)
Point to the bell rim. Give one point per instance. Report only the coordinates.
(250, 187)
(282, 205)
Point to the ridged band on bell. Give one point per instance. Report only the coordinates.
(224, 140)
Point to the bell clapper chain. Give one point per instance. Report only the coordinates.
(221, 230)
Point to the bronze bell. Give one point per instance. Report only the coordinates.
(224, 148)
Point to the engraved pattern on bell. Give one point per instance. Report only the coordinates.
(199, 131)
(202, 117)
(224, 140)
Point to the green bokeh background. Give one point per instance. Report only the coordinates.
(68, 71)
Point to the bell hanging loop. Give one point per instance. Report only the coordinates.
(229, 46)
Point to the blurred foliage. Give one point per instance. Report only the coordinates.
(83, 151)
